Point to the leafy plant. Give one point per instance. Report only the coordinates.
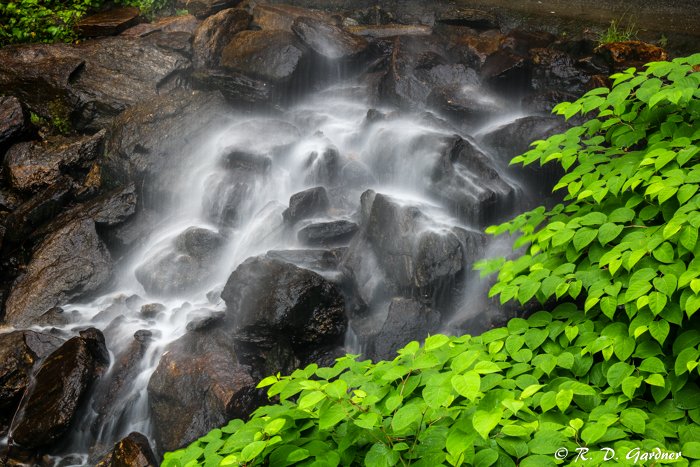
(613, 366)
(617, 33)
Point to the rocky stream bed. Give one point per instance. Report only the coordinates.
(250, 188)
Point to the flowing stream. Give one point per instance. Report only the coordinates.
(326, 140)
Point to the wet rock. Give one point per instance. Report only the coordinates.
(20, 351)
(622, 55)
(468, 17)
(319, 260)
(108, 23)
(35, 165)
(281, 17)
(236, 87)
(401, 250)
(151, 310)
(68, 263)
(514, 139)
(9, 199)
(331, 169)
(473, 48)
(543, 102)
(521, 42)
(390, 30)
(506, 71)
(465, 103)
(185, 268)
(328, 233)
(214, 33)
(48, 409)
(272, 56)
(554, 69)
(272, 301)
(328, 40)
(14, 121)
(407, 320)
(466, 179)
(418, 65)
(132, 451)
(38, 210)
(140, 147)
(87, 84)
(199, 373)
(245, 163)
(305, 204)
(204, 8)
(180, 23)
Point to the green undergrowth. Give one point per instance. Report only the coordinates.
(608, 376)
(54, 20)
(616, 32)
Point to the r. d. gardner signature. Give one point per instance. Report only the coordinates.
(635, 455)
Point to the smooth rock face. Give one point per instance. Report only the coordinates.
(35, 165)
(20, 351)
(327, 39)
(132, 451)
(407, 320)
(467, 180)
(272, 56)
(13, 121)
(305, 204)
(464, 103)
(48, 409)
(269, 301)
(89, 83)
(204, 8)
(186, 267)
(328, 233)
(200, 375)
(281, 17)
(108, 23)
(214, 33)
(69, 262)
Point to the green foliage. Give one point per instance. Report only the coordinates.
(617, 33)
(614, 365)
(54, 20)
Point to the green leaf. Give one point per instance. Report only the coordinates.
(467, 384)
(564, 398)
(331, 416)
(608, 232)
(405, 417)
(655, 380)
(485, 458)
(584, 237)
(659, 330)
(380, 455)
(593, 432)
(484, 421)
(436, 341)
(311, 399)
(618, 372)
(252, 450)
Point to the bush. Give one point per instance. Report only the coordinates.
(54, 20)
(614, 365)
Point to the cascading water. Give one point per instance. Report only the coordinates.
(229, 206)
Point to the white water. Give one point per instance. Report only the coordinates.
(393, 156)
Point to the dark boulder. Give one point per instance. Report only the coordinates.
(543, 102)
(20, 351)
(406, 320)
(35, 165)
(317, 260)
(183, 268)
(380, 31)
(141, 148)
(204, 8)
(328, 233)
(214, 33)
(554, 69)
(273, 56)
(14, 121)
(328, 40)
(464, 103)
(507, 72)
(236, 87)
(68, 263)
(200, 375)
(89, 83)
(48, 409)
(473, 47)
(132, 451)
(418, 65)
(305, 204)
(269, 301)
(331, 169)
(521, 41)
(108, 23)
(469, 182)
(180, 23)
